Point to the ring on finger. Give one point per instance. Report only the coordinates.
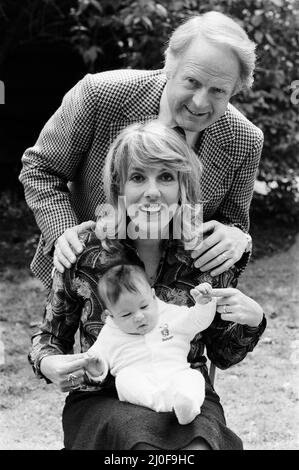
(223, 257)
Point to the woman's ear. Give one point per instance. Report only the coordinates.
(154, 293)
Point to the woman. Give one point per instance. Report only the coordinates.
(150, 178)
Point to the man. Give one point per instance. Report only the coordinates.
(209, 59)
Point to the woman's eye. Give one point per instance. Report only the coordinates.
(167, 177)
(136, 177)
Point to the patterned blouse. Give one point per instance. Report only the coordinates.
(73, 303)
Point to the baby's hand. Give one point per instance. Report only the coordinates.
(202, 294)
(94, 366)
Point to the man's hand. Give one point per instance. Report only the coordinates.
(68, 246)
(221, 248)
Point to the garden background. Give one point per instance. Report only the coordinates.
(46, 46)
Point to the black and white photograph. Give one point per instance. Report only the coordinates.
(149, 195)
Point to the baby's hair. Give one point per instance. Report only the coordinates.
(119, 278)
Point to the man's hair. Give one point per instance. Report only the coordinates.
(119, 278)
(218, 29)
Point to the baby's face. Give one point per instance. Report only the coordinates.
(136, 312)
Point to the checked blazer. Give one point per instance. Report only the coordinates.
(62, 176)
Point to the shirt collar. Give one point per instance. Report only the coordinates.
(166, 118)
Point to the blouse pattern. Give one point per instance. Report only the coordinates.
(73, 304)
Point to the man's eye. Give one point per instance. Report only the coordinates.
(191, 81)
(219, 90)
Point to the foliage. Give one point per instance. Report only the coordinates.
(18, 231)
(32, 21)
(136, 33)
(133, 33)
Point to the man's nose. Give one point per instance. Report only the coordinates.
(152, 189)
(200, 98)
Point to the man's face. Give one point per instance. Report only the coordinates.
(201, 84)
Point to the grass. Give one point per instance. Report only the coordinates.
(259, 395)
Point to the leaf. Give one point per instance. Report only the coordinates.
(258, 36)
(278, 3)
(161, 11)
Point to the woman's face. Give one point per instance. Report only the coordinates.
(151, 196)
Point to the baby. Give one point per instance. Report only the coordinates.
(145, 343)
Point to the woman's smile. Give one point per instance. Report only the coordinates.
(151, 208)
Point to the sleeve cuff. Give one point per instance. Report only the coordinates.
(253, 330)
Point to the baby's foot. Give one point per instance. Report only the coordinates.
(184, 409)
(202, 293)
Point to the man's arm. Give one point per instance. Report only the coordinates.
(227, 243)
(234, 209)
(55, 158)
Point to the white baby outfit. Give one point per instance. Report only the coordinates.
(151, 370)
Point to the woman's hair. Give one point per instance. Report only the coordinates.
(119, 278)
(218, 29)
(151, 145)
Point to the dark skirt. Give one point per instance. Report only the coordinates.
(99, 421)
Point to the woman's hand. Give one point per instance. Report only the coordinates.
(237, 307)
(68, 245)
(221, 249)
(66, 371)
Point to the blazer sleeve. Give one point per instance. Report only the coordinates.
(234, 208)
(55, 158)
(56, 334)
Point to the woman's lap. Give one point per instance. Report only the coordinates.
(98, 420)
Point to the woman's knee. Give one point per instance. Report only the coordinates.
(144, 446)
(197, 444)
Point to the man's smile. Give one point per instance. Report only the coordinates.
(194, 113)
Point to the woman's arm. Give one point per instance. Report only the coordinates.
(236, 329)
(61, 320)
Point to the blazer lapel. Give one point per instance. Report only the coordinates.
(215, 157)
